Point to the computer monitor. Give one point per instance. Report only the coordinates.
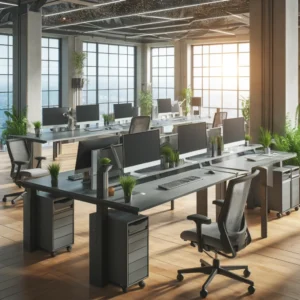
(84, 153)
(54, 116)
(164, 106)
(192, 139)
(122, 111)
(141, 150)
(233, 132)
(87, 113)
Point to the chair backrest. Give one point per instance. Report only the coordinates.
(231, 220)
(139, 124)
(218, 118)
(18, 150)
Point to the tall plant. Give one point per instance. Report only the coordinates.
(146, 102)
(16, 123)
(78, 62)
(187, 95)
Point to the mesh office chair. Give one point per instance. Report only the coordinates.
(227, 236)
(218, 118)
(20, 157)
(139, 124)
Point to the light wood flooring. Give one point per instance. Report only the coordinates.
(274, 262)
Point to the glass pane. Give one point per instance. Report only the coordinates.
(53, 54)
(123, 49)
(197, 49)
(154, 62)
(103, 48)
(44, 53)
(53, 83)
(215, 71)
(244, 83)
(91, 71)
(91, 59)
(215, 83)
(44, 99)
(123, 60)
(92, 47)
(113, 49)
(170, 94)
(131, 50)
(206, 72)
(227, 71)
(170, 61)
(170, 51)
(205, 82)
(103, 71)
(123, 71)
(53, 98)
(130, 82)
(130, 61)
(205, 98)
(163, 82)
(113, 82)
(169, 72)
(229, 48)
(170, 82)
(103, 83)
(205, 60)
(205, 49)
(197, 60)
(155, 93)
(244, 71)
(91, 97)
(44, 82)
(244, 47)
(131, 72)
(215, 98)
(162, 61)
(154, 51)
(113, 72)
(113, 96)
(215, 60)
(53, 67)
(198, 83)
(44, 43)
(113, 60)
(162, 51)
(123, 82)
(54, 43)
(162, 93)
(130, 95)
(103, 96)
(91, 83)
(216, 49)
(155, 81)
(229, 60)
(197, 71)
(162, 72)
(123, 96)
(230, 83)
(244, 59)
(230, 99)
(3, 66)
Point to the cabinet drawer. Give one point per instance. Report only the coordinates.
(62, 231)
(63, 222)
(138, 236)
(63, 204)
(136, 255)
(64, 214)
(138, 275)
(138, 226)
(63, 242)
(137, 245)
(138, 264)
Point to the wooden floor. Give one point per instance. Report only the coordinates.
(274, 262)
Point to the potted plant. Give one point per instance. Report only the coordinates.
(165, 156)
(265, 139)
(172, 159)
(246, 112)
(187, 95)
(213, 141)
(37, 128)
(106, 119)
(102, 177)
(128, 183)
(176, 158)
(146, 103)
(54, 171)
(78, 63)
(247, 140)
(219, 145)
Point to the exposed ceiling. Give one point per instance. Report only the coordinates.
(142, 20)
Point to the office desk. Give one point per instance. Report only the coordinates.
(265, 178)
(146, 195)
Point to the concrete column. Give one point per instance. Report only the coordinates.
(273, 64)
(27, 37)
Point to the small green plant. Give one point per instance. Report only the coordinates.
(146, 102)
(54, 170)
(78, 62)
(111, 117)
(246, 108)
(172, 157)
(105, 161)
(167, 152)
(105, 118)
(187, 95)
(128, 183)
(37, 124)
(213, 140)
(247, 137)
(176, 157)
(265, 138)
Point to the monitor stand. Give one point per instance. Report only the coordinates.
(86, 180)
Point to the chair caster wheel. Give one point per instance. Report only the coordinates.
(296, 208)
(247, 273)
(203, 293)
(180, 277)
(279, 215)
(69, 248)
(251, 289)
(13, 202)
(288, 213)
(124, 289)
(142, 284)
(53, 254)
(4, 199)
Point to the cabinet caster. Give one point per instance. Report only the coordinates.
(4, 199)
(251, 289)
(53, 254)
(203, 293)
(124, 289)
(288, 213)
(180, 277)
(296, 208)
(142, 284)
(247, 273)
(69, 248)
(279, 215)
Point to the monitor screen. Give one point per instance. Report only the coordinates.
(84, 153)
(140, 148)
(122, 111)
(192, 137)
(196, 101)
(55, 116)
(87, 113)
(164, 106)
(233, 130)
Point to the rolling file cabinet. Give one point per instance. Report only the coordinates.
(128, 249)
(284, 194)
(56, 222)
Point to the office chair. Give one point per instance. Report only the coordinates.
(218, 118)
(139, 124)
(228, 235)
(20, 157)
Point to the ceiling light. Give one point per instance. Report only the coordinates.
(135, 25)
(11, 4)
(221, 31)
(83, 8)
(134, 15)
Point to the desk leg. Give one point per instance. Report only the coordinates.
(30, 221)
(35, 150)
(99, 246)
(54, 151)
(202, 202)
(172, 205)
(264, 201)
(220, 195)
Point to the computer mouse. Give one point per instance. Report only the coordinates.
(211, 172)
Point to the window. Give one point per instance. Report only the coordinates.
(109, 75)
(50, 72)
(6, 76)
(221, 76)
(162, 73)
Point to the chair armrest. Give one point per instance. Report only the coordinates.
(20, 163)
(218, 202)
(40, 158)
(199, 219)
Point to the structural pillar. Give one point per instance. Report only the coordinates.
(273, 64)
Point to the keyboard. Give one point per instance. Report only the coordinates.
(94, 129)
(177, 183)
(75, 177)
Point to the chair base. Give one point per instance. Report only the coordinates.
(15, 195)
(213, 270)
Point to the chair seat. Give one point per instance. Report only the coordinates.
(34, 173)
